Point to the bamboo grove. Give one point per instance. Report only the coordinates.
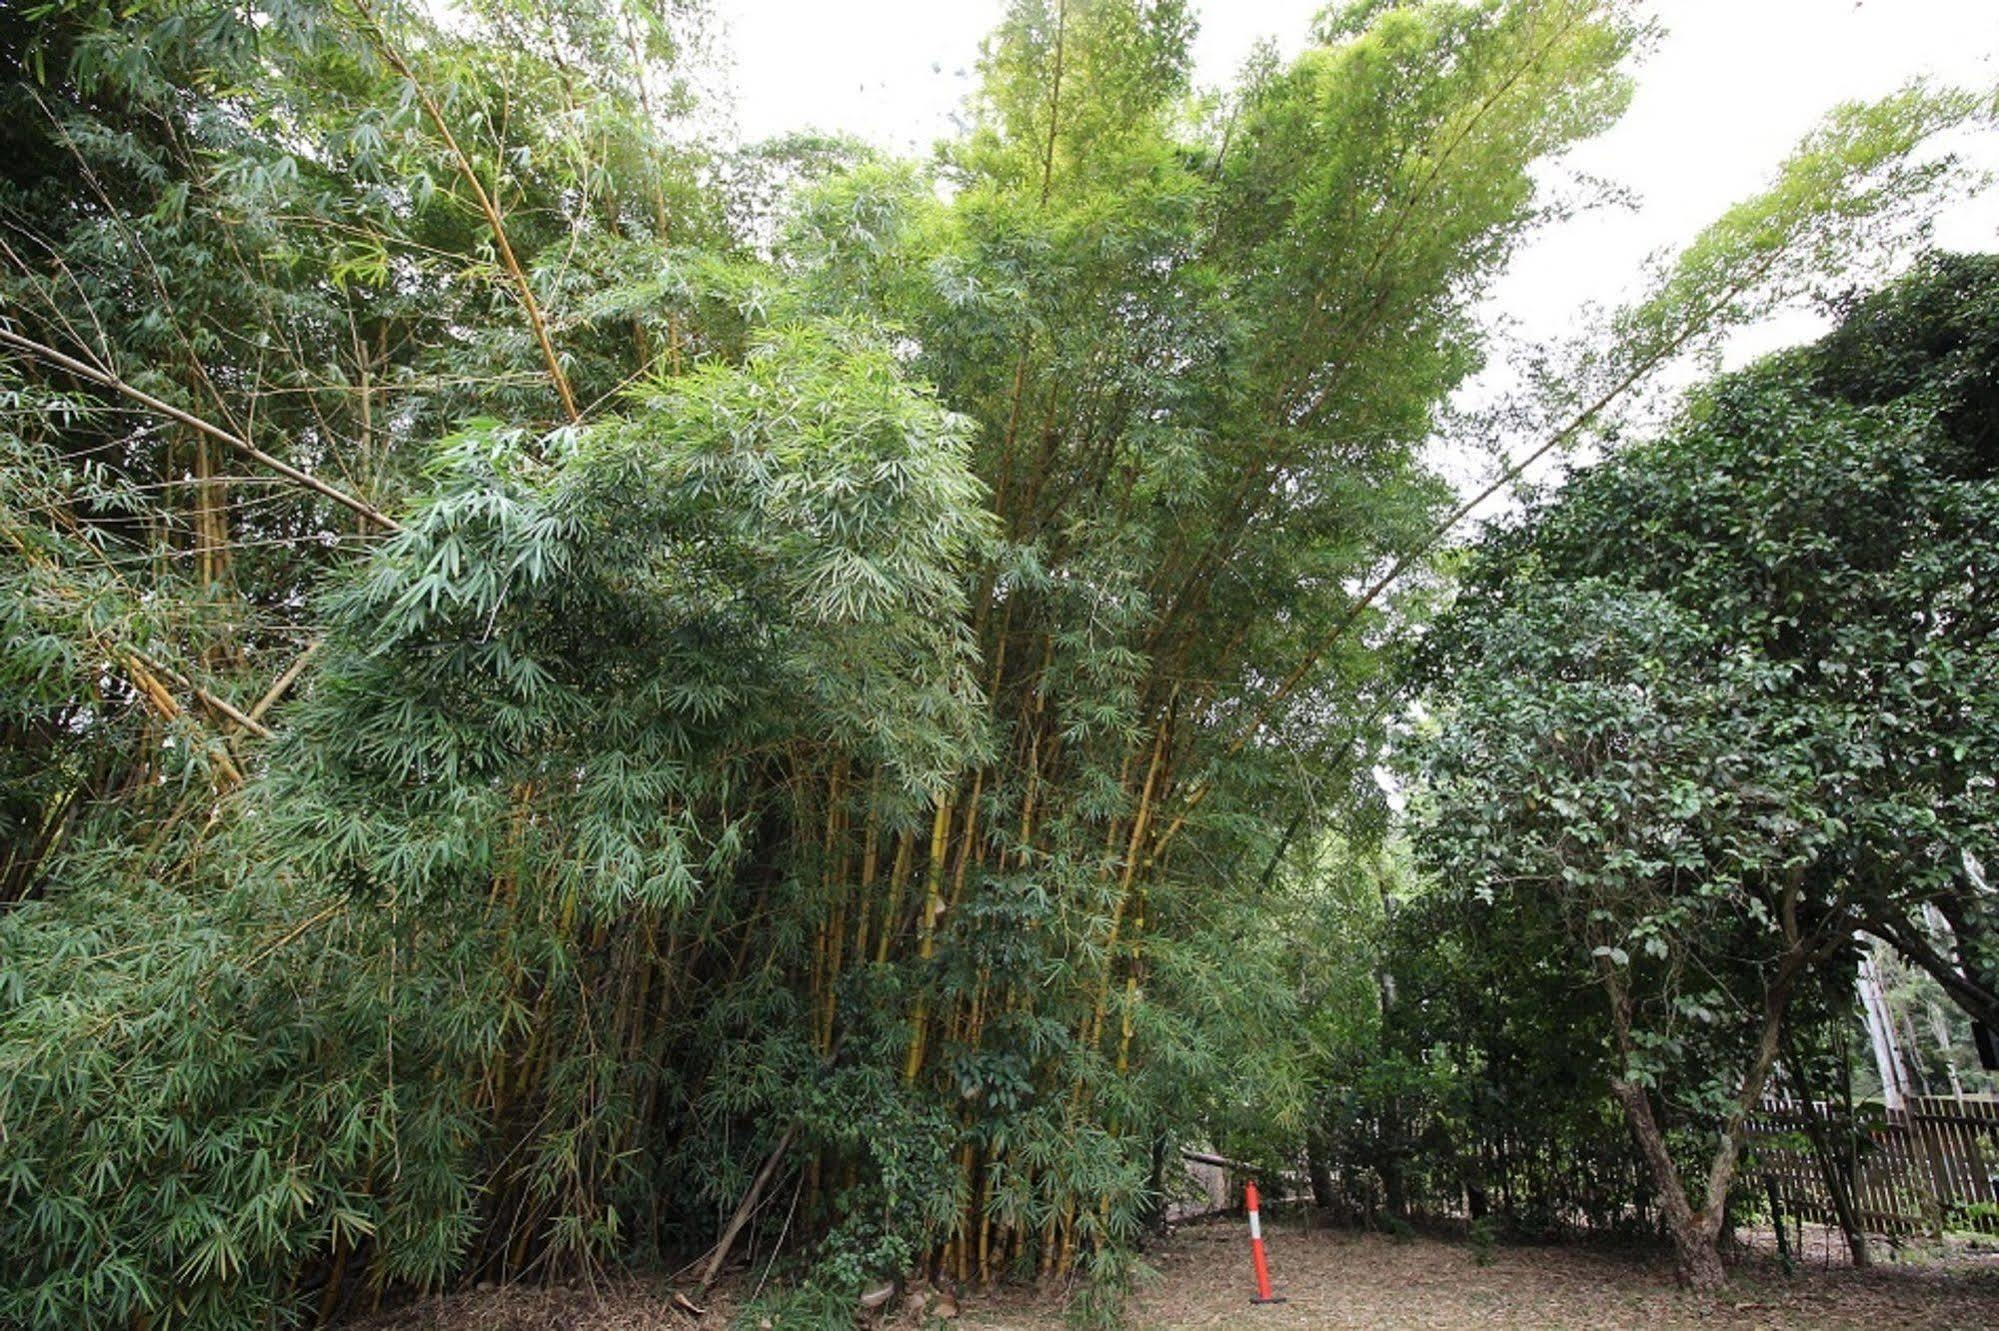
(576, 695)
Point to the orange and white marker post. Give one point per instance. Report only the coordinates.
(1249, 1201)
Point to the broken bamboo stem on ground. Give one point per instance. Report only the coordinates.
(745, 1209)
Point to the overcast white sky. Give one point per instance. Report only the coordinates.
(1720, 100)
(1732, 86)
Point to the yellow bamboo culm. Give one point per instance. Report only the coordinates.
(898, 878)
(933, 907)
(1140, 822)
(970, 838)
(985, 1214)
(829, 942)
(870, 862)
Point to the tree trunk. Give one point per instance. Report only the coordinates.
(1976, 994)
(1317, 1171)
(1696, 1255)
(1838, 1186)
(1839, 1190)
(1394, 1179)
(1697, 1263)
(1777, 1218)
(1695, 1233)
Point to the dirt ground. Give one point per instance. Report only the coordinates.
(1340, 1279)
(1335, 1278)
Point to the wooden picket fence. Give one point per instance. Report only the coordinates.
(1929, 1168)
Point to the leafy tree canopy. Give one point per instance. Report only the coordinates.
(1726, 696)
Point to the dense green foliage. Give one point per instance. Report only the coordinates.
(1727, 698)
(554, 676)
(1466, 1077)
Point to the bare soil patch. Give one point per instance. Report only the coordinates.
(1340, 1279)
(1334, 1279)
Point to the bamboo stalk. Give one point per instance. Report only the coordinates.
(106, 379)
(167, 709)
(870, 863)
(494, 223)
(222, 706)
(960, 1247)
(970, 837)
(744, 1209)
(1140, 822)
(933, 907)
(898, 877)
(283, 683)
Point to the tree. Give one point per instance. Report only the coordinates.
(1719, 699)
(1831, 512)
(1603, 754)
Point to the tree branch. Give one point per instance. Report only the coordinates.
(106, 379)
(394, 59)
(1975, 999)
